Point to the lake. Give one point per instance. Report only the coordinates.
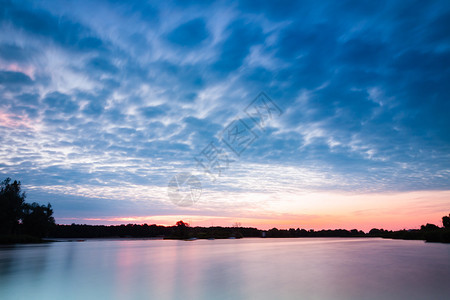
(308, 268)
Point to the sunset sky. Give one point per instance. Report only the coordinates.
(102, 103)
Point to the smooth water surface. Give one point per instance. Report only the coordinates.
(330, 268)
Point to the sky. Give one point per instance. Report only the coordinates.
(105, 104)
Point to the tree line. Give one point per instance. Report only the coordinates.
(17, 217)
(182, 230)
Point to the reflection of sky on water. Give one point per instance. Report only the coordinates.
(226, 269)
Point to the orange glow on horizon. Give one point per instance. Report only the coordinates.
(395, 211)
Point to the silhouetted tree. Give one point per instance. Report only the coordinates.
(376, 231)
(446, 221)
(429, 227)
(37, 219)
(183, 224)
(11, 204)
(182, 230)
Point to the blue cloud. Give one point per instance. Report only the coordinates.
(26, 98)
(189, 34)
(154, 111)
(59, 29)
(59, 102)
(274, 10)
(12, 52)
(14, 78)
(90, 43)
(236, 47)
(99, 64)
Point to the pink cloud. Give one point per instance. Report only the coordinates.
(28, 70)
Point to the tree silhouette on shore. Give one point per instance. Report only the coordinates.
(11, 205)
(446, 221)
(19, 217)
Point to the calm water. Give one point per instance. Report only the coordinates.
(227, 269)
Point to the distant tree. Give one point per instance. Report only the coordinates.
(37, 219)
(181, 230)
(11, 204)
(181, 223)
(429, 227)
(446, 221)
(374, 231)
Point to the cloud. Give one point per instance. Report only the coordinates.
(40, 23)
(14, 53)
(59, 102)
(101, 65)
(236, 46)
(189, 34)
(133, 95)
(14, 78)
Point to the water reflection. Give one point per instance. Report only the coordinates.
(226, 269)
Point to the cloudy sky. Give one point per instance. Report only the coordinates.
(102, 103)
